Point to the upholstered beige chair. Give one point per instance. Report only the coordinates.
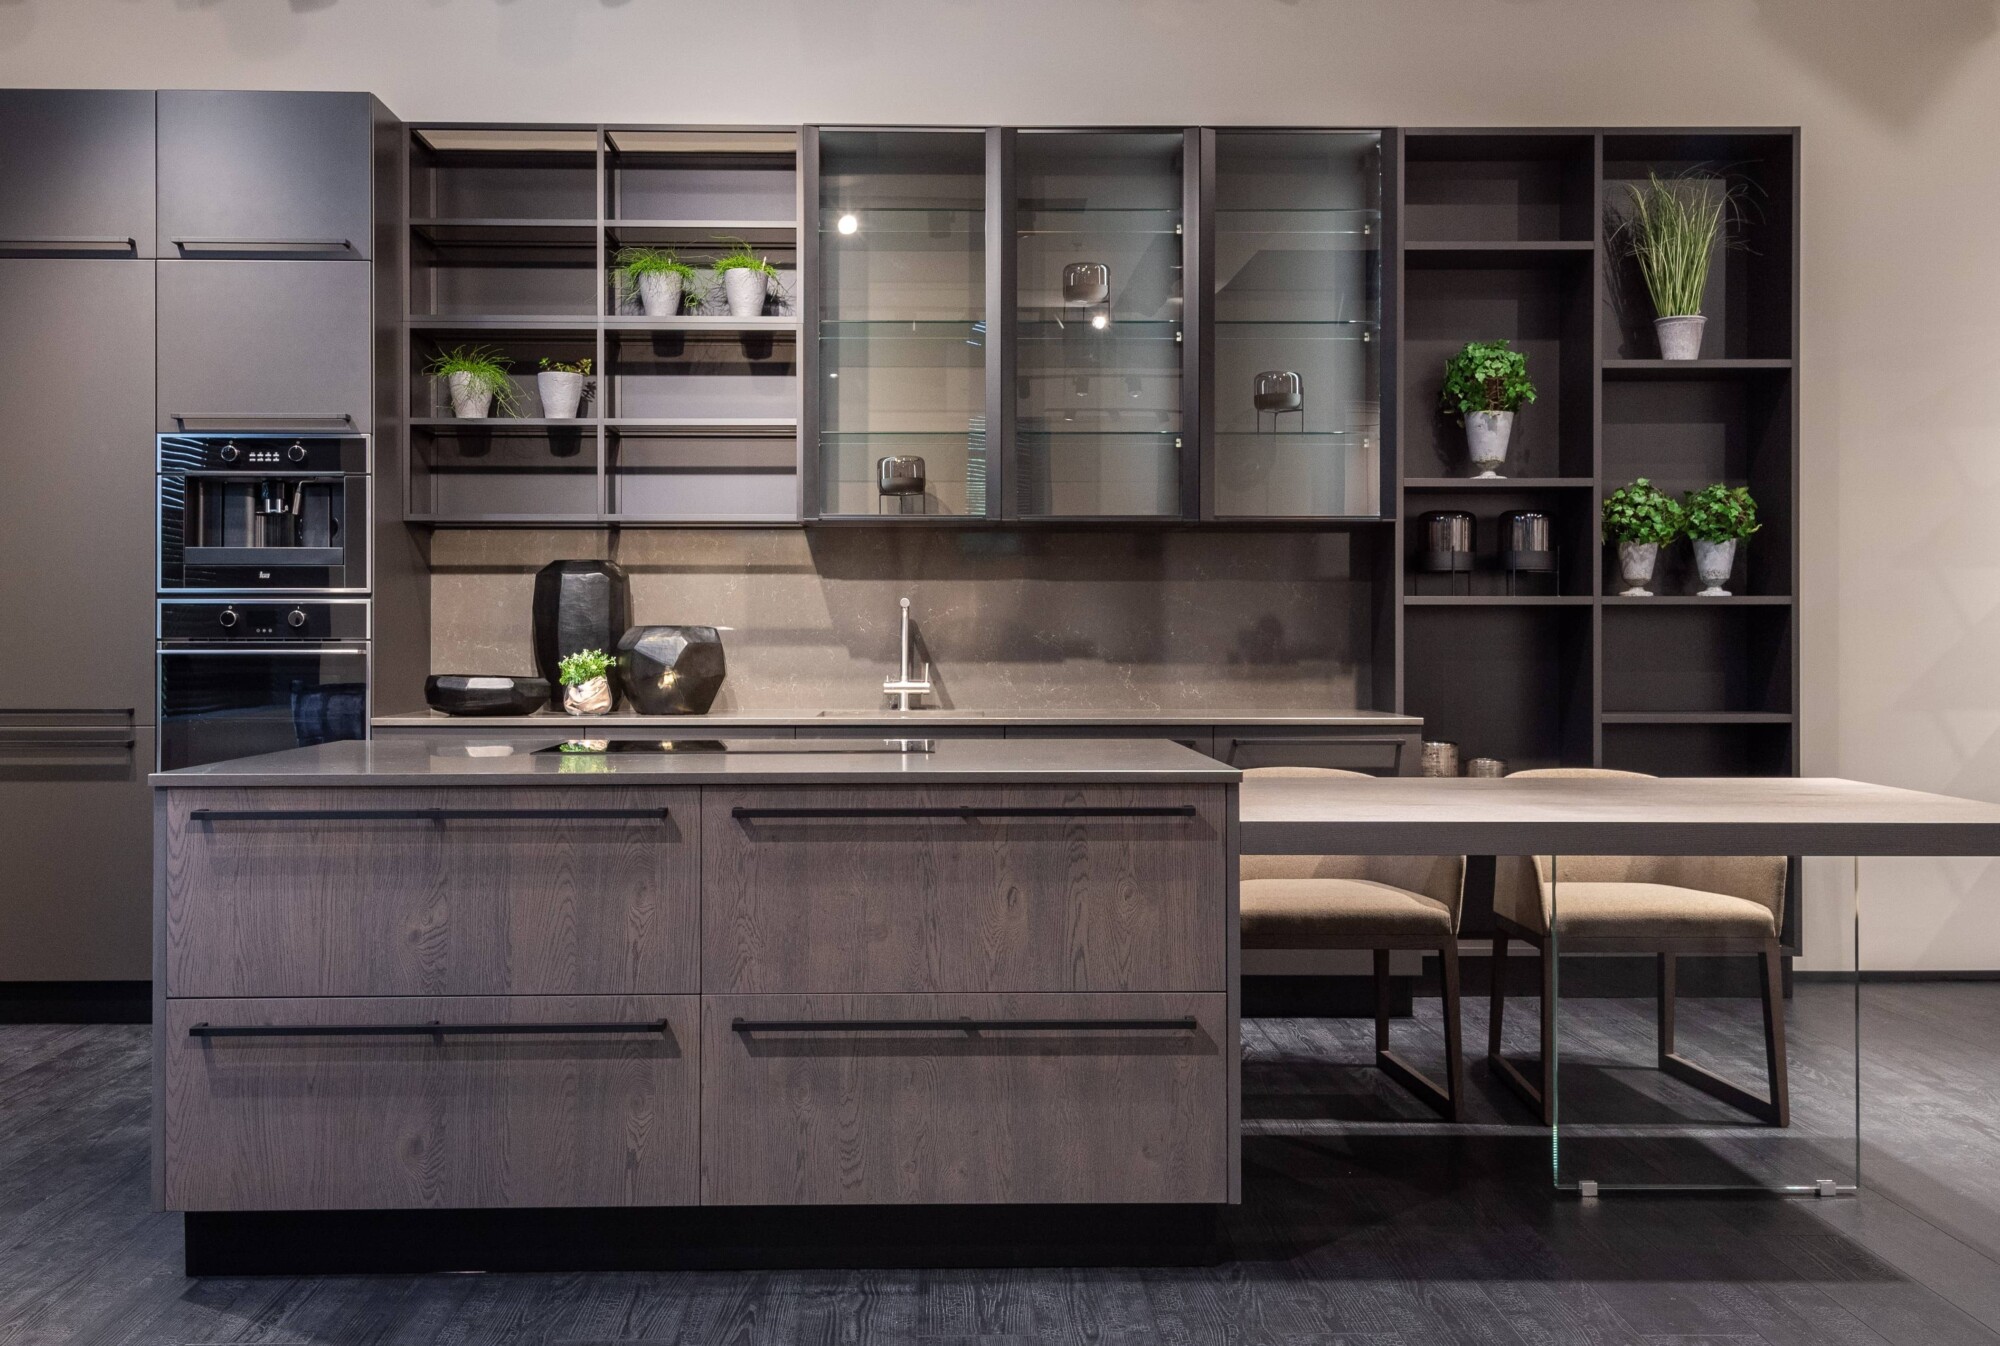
(1378, 903)
(1663, 905)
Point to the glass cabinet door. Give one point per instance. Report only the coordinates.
(902, 323)
(1098, 345)
(1297, 295)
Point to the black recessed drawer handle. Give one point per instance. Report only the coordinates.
(1184, 1024)
(429, 1030)
(410, 815)
(1343, 740)
(258, 420)
(69, 244)
(58, 736)
(263, 244)
(971, 812)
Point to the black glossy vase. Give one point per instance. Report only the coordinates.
(579, 605)
(476, 694)
(671, 670)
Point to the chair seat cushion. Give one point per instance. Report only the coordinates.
(1628, 910)
(1299, 913)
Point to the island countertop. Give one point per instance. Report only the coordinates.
(805, 719)
(452, 760)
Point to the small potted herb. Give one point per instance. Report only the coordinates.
(562, 387)
(586, 682)
(477, 378)
(1717, 518)
(746, 279)
(1484, 384)
(1671, 230)
(1639, 518)
(658, 277)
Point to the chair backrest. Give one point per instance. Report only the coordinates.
(1438, 876)
(1756, 878)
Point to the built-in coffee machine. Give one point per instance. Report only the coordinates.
(264, 636)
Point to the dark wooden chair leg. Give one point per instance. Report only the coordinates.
(1454, 1048)
(1497, 995)
(1532, 1094)
(1775, 1110)
(1443, 1101)
(1381, 1001)
(1774, 1034)
(1548, 1071)
(1667, 969)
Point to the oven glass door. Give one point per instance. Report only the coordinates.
(220, 703)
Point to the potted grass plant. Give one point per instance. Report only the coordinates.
(477, 379)
(746, 279)
(1672, 228)
(586, 681)
(1640, 518)
(1485, 384)
(659, 277)
(1718, 517)
(562, 387)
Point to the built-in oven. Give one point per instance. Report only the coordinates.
(243, 676)
(263, 511)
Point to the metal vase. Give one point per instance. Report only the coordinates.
(1635, 566)
(660, 293)
(1713, 562)
(1486, 436)
(746, 291)
(1680, 337)
(1440, 759)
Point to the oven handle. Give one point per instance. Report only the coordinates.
(298, 647)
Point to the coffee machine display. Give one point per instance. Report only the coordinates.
(263, 511)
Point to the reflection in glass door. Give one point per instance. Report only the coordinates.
(902, 328)
(1297, 292)
(1098, 359)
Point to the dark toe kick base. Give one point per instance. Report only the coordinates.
(294, 1243)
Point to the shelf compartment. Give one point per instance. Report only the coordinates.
(1297, 475)
(1710, 748)
(1103, 473)
(1679, 370)
(430, 399)
(955, 473)
(706, 302)
(505, 232)
(1685, 433)
(1545, 311)
(700, 375)
(1752, 290)
(1496, 601)
(883, 377)
(503, 174)
(542, 274)
(1574, 531)
(501, 471)
(1499, 483)
(1458, 256)
(1515, 186)
(696, 234)
(1689, 660)
(701, 175)
(1506, 681)
(657, 475)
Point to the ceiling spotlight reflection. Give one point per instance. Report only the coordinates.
(1100, 321)
(847, 224)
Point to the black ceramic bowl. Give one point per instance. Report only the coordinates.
(482, 694)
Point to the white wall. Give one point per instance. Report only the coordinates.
(1899, 101)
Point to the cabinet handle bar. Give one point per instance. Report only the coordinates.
(970, 812)
(430, 1030)
(1184, 1024)
(419, 815)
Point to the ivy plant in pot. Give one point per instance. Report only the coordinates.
(586, 682)
(1639, 518)
(562, 387)
(746, 279)
(1672, 228)
(1485, 384)
(1717, 518)
(477, 379)
(658, 277)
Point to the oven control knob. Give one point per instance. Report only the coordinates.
(227, 617)
(229, 453)
(295, 618)
(296, 454)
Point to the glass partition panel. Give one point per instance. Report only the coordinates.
(1687, 1057)
(902, 331)
(1098, 351)
(1298, 311)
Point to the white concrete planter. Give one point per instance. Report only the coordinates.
(588, 698)
(1486, 436)
(1713, 561)
(561, 393)
(660, 293)
(1635, 567)
(468, 398)
(746, 291)
(1680, 338)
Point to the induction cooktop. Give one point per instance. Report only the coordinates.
(738, 746)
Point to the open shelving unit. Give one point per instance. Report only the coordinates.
(1504, 236)
(514, 236)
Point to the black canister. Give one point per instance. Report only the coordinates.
(1527, 542)
(1446, 542)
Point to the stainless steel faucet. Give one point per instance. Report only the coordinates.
(903, 686)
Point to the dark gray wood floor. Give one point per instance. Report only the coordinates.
(1363, 1222)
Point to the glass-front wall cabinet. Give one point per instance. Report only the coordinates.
(902, 323)
(1297, 295)
(1098, 404)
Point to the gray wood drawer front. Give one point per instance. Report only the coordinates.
(1098, 888)
(368, 892)
(355, 1120)
(856, 1110)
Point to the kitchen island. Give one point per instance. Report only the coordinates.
(436, 974)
